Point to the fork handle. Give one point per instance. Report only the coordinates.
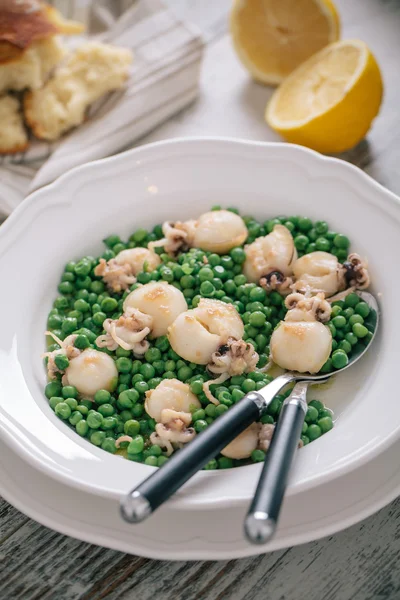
(138, 504)
(262, 518)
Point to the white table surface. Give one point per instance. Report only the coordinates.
(361, 563)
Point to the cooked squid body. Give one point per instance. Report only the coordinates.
(137, 259)
(196, 334)
(219, 231)
(302, 346)
(169, 395)
(244, 444)
(163, 302)
(92, 371)
(273, 252)
(319, 272)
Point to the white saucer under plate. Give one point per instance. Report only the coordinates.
(202, 534)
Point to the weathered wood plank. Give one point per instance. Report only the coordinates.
(361, 563)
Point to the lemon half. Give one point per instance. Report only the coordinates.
(273, 37)
(330, 101)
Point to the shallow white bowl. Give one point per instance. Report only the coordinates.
(181, 179)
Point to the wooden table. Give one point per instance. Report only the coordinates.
(361, 563)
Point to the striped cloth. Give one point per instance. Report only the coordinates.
(164, 79)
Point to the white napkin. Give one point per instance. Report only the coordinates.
(164, 79)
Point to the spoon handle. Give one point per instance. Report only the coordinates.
(138, 504)
(262, 518)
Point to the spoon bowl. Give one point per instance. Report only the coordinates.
(262, 518)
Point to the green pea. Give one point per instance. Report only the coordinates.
(148, 371)
(304, 224)
(304, 428)
(161, 460)
(314, 432)
(69, 391)
(184, 373)
(301, 242)
(97, 437)
(109, 445)
(305, 440)
(238, 255)
(262, 360)
(98, 318)
(207, 289)
(248, 385)
(69, 325)
(257, 456)
(131, 427)
(325, 424)
(238, 395)
(339, 322)
(136, 445)
(81, 305)
(352, 300)
(316, 404)
(210, 410)
(151, 461)
(362, 309)
(109, 422)
(94, 419)
(339, 359)
(154, 382)
(106, 410)
(54, 400)
(102, 397)
(123, 364)
(211, 465)
(128, 398)
(220, 410)
(351, 338)
(162, 343)
(257, 319)
(108, 305)
(267, 419)
(82, 428)
(240, 279)
(81, 342)
(54, 321)
(322, 244)
(198, 414)
(75, 417)
(359, 330)
(66, 287)
(356, 319)
(61, 303)
(62, 410)
(321, 227)
(53, 388)
(83, 283)
(275, 406)
(225, 463)
(325, 413)
(152, 355)
(141, 387)
(345, 346)
(72, 403)
(341, 241)
(97, 287)
(311, 415)
(275, 299)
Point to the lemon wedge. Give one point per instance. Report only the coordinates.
(273, 37)
(330, 101)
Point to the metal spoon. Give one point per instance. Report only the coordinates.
(143, 500)
(262, 518)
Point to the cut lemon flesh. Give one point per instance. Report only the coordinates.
(272, 37)
(329, 102)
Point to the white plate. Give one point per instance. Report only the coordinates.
(202, 534)
(181, 179)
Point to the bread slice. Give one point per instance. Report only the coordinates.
(32, 68)
(13, 137)
(22, 23)
(87, 74)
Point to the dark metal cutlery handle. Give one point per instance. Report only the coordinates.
(262, 518)
(165, 481)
